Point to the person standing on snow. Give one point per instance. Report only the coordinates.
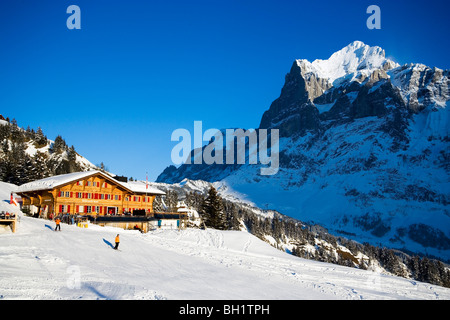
(117, 242)
(58, 226)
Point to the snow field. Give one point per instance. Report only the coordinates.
(39, 263)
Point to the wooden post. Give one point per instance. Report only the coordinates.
(14, 224)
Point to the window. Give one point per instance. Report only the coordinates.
(64, 208)
(79, 195)
(67, 194)
(88, 209)
(89, 195)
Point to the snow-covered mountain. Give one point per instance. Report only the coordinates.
(28, 155)
(364, 151)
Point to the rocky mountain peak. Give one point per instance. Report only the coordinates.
(363, 150)
(349, 63)
(354, 82)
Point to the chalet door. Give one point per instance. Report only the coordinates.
(112, 210)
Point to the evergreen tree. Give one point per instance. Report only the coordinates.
(194, 200)
(59, 146)
(4, 132)
(41, 169)
(212, 211)
(232, 215)
(40, 138)
(171, 201)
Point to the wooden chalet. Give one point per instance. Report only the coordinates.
(91, 193)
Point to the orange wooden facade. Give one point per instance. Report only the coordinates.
(97, 194)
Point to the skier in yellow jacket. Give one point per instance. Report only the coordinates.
(117, 242)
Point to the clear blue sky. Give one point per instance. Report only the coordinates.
(138, 70)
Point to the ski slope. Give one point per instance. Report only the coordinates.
(79, 263)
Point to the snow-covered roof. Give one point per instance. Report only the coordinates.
(59, 180)
(141, 187)
(55, 181)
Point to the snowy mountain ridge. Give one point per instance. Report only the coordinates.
(353, 61)
(364, 149)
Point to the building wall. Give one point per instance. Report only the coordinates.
(143, 226)
(93, 195)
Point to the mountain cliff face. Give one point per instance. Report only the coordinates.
(364, 151)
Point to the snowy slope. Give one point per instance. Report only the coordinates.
(39, 263)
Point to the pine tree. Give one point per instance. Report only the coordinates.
(40, 138)
(213, 212)
(59, 146)
(232, 216)
(171, 201)
(41, 168)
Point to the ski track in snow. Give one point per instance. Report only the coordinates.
(321, 277)
(39, 263)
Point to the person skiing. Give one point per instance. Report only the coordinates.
(117, 242)
(58, 226)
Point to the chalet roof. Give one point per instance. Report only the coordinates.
(141, 187)
(60, 180)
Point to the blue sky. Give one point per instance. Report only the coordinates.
(138, 70)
